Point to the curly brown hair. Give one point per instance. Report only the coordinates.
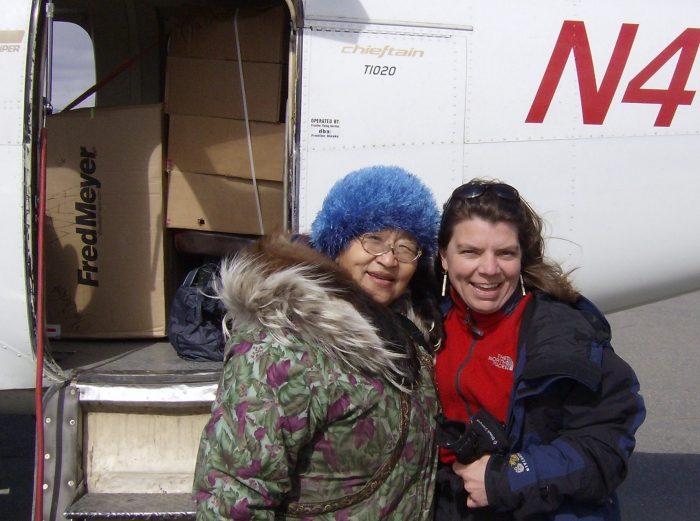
(537, 271)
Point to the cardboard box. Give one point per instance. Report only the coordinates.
(205, 33)
(222, 204)
(104, 223)
(212, 88)
(220, 146)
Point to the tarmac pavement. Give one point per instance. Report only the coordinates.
(16, 467)
(661, 341)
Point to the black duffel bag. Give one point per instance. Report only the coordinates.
(196, 315)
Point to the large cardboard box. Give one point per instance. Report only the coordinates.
(220, 146)
(104, 223)
(212, 88)
(223, 204)
(205, 33)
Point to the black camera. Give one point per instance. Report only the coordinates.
(469, 441)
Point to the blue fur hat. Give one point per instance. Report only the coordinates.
(372, 199)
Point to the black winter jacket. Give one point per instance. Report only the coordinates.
(574, 410)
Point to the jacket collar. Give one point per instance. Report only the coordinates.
(294, 294)
(558, 339)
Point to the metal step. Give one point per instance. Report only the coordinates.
(125, 430)
(133, 507)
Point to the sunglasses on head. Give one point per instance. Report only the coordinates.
(475, 189)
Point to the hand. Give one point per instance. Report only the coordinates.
(473, 477)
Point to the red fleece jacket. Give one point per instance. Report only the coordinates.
(476, 367)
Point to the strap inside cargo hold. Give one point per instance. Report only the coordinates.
(116, 72)
(247, 126)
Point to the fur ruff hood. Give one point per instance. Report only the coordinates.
(283, 287)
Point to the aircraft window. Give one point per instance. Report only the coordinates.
(73, 65)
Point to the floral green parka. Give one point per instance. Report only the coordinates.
(308, 406)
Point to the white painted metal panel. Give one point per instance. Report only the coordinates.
(440, 167)
(445, 13)
(14, 35)
(380, 95)
(629, 221)
(16, 354)
(511, 48)
(596, 184)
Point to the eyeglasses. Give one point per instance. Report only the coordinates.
(475, 189)
(376, 245)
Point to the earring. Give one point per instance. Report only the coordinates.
(522, 284)
(444, 283)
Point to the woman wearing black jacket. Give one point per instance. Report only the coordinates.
(524, 347)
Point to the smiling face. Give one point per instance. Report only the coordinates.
(382, 276)
(483, 262)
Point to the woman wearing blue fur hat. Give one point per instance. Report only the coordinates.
(326, 404)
